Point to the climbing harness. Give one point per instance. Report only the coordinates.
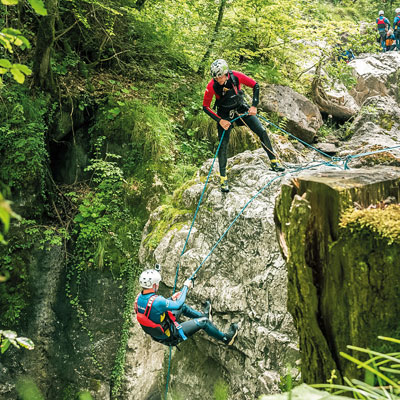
(199, 203)
(154, 329)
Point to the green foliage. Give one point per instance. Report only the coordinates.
(10, 37)
(286, 383)
(6, 213)
(11, 337)
(384, 368)
(23, 126)
(383, 222)
(144, 129)
(340, 71)
(102, 241)
(27, 390)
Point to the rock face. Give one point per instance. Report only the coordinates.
(304, 118)
(335, 101)
(376, 128)
(67, 358)
(343, 286)
(376, 75)
(245, 277)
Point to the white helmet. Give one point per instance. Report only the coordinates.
(397, 10)
(219, 68)
(148, 278)
(381, 12)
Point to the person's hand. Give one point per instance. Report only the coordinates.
(252, 110)
(188, 283)
(225, 124)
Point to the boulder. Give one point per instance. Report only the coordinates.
(377, 75)
(244, 277)
(303, 117)
(343, 280)
(335, 100)
(376, 127)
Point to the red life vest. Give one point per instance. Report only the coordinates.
(150, 327)
(381, 23)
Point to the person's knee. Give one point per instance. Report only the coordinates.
(201, 322)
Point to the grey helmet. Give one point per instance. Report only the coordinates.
(381, 12)
(219, 68)
(148, 278)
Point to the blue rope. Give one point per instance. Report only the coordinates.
(349, 158)
(246, 205)
(200, 200)
(333, 159)
(295, 137)
(168, 373)
(188, 235)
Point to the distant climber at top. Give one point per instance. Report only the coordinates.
(225, 85)
(383, 26)
(396, 28)
(158, 316)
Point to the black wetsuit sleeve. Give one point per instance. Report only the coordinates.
(211, 113)
(256, 95)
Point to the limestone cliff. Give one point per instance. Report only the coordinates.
(245, 278)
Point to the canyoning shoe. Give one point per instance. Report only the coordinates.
(231, 335)
(207, 310)
(276, 166)
(224, 184)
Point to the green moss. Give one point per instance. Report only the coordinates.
(177, 195)
(171, 218)
(384, 222)
(221, 390)
(386, 122)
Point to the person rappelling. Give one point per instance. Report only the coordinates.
(225, 85)
(159, 316)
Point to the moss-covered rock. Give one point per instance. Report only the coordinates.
(343, 280)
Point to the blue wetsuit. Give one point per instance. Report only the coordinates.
(396, 29)
(383, 24)
(159, 315)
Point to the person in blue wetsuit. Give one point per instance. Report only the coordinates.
(396, 28)
(383, 26)
(159, 316)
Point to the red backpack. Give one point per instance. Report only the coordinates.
(381, 22)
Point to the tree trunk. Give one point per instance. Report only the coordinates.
(203, 62)
(42, 73)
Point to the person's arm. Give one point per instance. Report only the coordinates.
(208, 96)
(169, 304)
(247, 81)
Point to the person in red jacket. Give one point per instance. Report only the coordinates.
(225, 85)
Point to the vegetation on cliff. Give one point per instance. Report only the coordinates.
(110, 120)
